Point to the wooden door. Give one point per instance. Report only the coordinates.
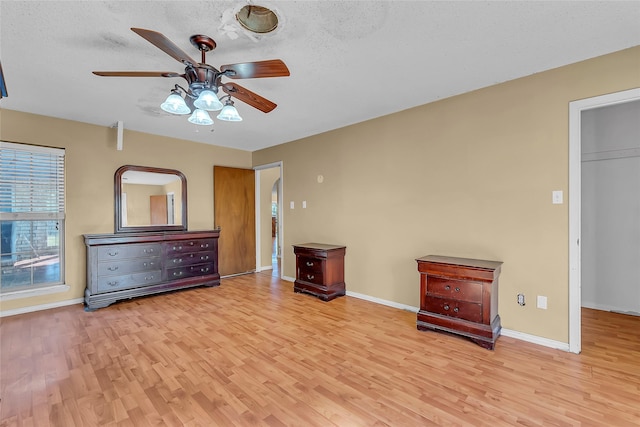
(235, 213)
(158, 210)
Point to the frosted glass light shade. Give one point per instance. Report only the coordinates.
(229, 114)
(200, 117)
(208, 100)
(174, 104)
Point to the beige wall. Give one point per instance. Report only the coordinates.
(267, 178)
(91, 161)
(468, 176)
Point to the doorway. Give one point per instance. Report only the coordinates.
(576, 110)
(269, 230)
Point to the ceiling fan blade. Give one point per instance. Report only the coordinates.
(250, 70)
(164, 44)
(248, 97)
(137, 74)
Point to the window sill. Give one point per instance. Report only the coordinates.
(28, 293)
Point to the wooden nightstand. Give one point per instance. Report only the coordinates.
(460, 296)
(320, 270)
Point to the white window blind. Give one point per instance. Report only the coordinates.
(31, 182)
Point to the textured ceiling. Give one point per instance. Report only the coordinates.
(350, 61)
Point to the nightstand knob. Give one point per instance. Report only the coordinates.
(309, 264)
(457, 289)
(446, 306)
(456, 309)
(310, 276)
(447, 287)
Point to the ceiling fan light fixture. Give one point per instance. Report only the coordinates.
(229, 113)
(200, 117)
(175, 104)
(208, 100)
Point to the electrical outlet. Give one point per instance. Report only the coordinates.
(521, 299)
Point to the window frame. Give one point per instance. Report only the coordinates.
(57, 214)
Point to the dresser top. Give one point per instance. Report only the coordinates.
(319, 246)
(467, 262)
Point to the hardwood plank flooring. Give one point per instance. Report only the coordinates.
(253, 353)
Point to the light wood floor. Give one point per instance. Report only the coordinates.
(253, 353)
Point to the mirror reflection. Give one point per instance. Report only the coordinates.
(150, 199)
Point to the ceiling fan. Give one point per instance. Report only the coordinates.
(205, 81)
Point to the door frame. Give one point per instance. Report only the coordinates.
(280, 222)
(575, 200)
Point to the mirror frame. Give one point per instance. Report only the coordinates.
(119, 228)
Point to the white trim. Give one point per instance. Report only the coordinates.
(258, 221)
(28, 293)
(383, 302)
(33, 308)
(288, 279)
(575, 188)
(266, 267)
(534, 339)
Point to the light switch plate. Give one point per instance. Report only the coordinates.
(292, 205)
(556, 197)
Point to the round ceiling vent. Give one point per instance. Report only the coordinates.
(257, 19)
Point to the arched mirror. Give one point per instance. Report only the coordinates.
(150, 199)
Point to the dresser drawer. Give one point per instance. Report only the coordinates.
(179, 259)
(455, 289)
(460, 309)
(113, 283)
(190, 271)
(117, 268)
(184, 246)
(117, 252)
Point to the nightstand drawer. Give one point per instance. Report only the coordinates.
(460, 309)
(310, 265)
(455, 289)
(314, 277)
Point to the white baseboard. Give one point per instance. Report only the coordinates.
(506, 332)
(534, 339)
(266, 267)
(383, 302)
(288, 279)
(33, 308)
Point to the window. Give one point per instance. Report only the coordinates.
(32, 216)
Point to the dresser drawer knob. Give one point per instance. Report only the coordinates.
(309, 264)
(177, 260)
(447, 287)
(457, 289)
(204, 245)
(113, 283)
(148, 278)
(456, 309)
(190, 243)
(113, 268)
(204, 270)
(114, 253)
(204, 257)
(177, 273)
(446, 306)
(148, 251)
(310, 276)
(144, 264)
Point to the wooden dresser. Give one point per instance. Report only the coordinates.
(460, 296)
(126, 265)
(320, 270)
